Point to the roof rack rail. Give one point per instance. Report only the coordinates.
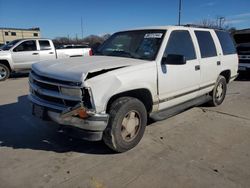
(201, 26)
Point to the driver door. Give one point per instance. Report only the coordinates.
(179, 82)
(25, 54)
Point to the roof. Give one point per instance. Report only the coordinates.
(28, 29)
(171, 27)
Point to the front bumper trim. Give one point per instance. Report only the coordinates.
(95, 122)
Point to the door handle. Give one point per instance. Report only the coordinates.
(218, 63)
(197, 67)
(35, 53)
(51, 53)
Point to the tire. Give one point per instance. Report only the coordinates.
(127, 123)
(4, 72)
(219, 92)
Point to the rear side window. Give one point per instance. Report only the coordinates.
(44, 45)
(180, 43)
(206, 44)
(226, 42)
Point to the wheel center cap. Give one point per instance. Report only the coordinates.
(131, 125)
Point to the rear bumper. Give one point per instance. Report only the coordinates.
(92, 127)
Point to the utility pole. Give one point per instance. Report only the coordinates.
(180, 6)
(220, 21)
(81, 28)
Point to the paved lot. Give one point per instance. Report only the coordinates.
(202, 147)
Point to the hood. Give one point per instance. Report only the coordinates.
(4, 53)
(76, 69)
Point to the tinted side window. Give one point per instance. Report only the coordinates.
(44, 45)
(226, 42)
(26, 46)
(180, 43)
(206, 44)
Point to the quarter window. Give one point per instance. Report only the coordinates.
(26, 46)
(226, 42)
(206, 44)
(180, 43)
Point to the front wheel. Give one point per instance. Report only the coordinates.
(4, 72)
(128, 119)
(219, 92)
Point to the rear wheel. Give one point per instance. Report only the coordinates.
(4, 72)
(219, 92)
(128, 119)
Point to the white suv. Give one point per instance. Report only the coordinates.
(149, 72)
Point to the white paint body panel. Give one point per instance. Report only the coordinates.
(162, 81)
(24, 59)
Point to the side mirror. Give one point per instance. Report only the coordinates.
(173, 59)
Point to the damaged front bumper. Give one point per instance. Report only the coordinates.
(91, 127)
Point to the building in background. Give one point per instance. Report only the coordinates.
(9, 34)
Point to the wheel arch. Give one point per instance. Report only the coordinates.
(142, 94)
(226, 74)
(6, 63)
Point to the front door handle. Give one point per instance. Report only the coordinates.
(51, 53)
(218, 63)
(35, 53)
(197, 67)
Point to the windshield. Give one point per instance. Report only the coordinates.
(139, 44)
(10, 45)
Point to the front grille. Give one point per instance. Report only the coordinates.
(47, 86)
(244, 61)
(49, 90)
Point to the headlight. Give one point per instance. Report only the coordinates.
(71, 92)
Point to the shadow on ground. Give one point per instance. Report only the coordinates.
(20, 130)
(14, 76)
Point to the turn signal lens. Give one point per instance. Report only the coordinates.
(82, 113)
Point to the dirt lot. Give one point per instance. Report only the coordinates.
(202, 147)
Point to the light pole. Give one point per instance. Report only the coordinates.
(81, 28)
(180, 6)
(221, 20)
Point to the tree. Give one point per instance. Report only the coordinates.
(91, 40)
(218, 23)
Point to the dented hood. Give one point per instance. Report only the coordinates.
(76, 69)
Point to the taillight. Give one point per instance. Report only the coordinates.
(90, 52)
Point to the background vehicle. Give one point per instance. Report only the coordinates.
(19, 55)
(150, 72)
(242, 39)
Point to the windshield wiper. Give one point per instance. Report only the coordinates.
(121, 54)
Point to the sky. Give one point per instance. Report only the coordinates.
(62, 18)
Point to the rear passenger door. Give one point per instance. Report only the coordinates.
(209, 60)
(47, 52)
(178, 83)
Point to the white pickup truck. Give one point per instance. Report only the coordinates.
(19, 55)
(149, 72)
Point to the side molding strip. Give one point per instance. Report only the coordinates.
(182, 94)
